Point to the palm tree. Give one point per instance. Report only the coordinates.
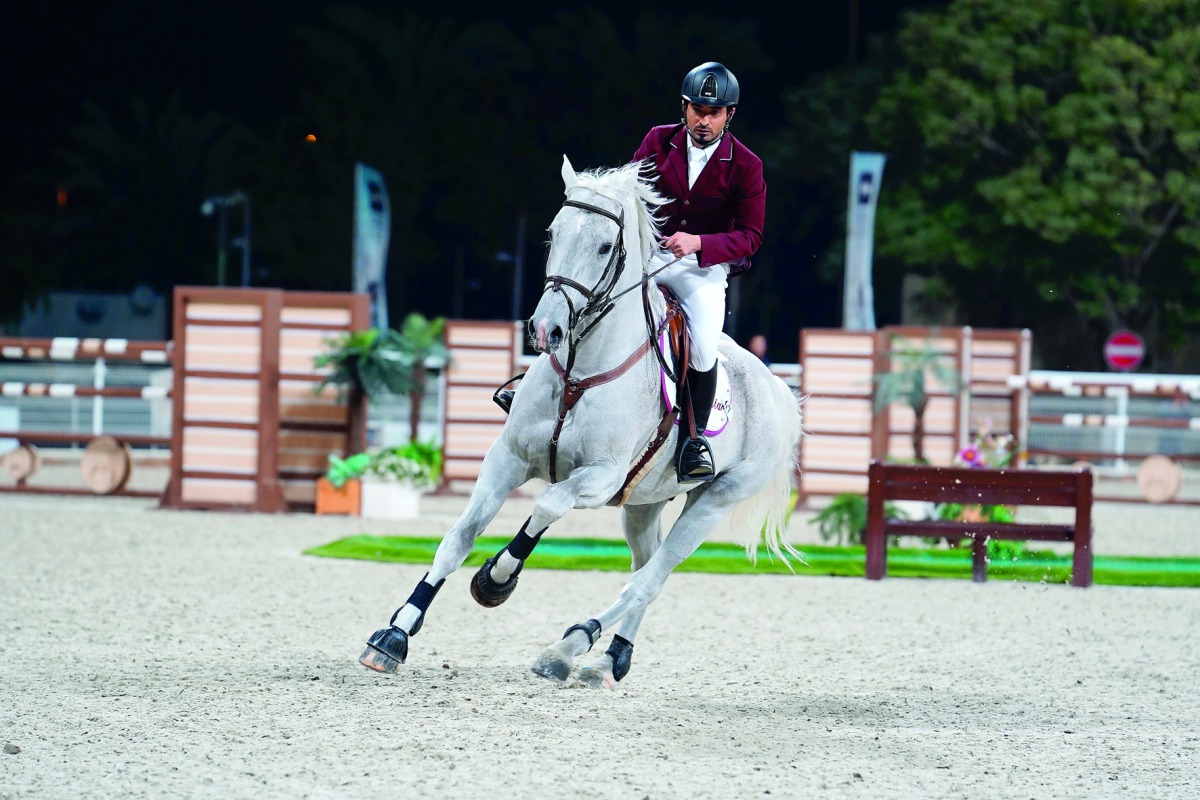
(374, 362)
(905, 382)
(431, 105)
(135, 182)
(423, 339)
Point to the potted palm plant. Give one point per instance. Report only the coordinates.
(374, 362)
(370, 363)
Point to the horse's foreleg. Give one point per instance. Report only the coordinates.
(643, 533)
(587, 487)
(501, 473)
(496, 580)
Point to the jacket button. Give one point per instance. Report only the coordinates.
(683, 222)
(687, 202)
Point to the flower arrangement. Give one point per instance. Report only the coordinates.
(987, 450)
(418, 463)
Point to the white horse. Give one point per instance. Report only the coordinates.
(583, 416)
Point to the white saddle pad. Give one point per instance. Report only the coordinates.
(718, 418)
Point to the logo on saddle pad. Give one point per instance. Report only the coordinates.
(719, 417)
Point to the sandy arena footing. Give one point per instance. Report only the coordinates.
(148, 653)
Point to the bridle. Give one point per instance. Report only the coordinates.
(598, 303)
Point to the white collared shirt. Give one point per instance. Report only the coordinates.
(697, 158)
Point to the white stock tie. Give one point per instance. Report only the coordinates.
(696, 163)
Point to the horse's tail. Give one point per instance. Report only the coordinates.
(763, 517)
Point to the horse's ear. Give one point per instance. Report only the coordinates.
(570, 179)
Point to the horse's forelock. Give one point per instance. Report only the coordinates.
(636, 180)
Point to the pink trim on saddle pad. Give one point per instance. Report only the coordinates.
(718, 418)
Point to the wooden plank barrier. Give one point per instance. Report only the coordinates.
(248, 431)
(483, 355)
(838, 386)
(979, 486)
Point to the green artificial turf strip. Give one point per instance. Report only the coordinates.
(726, 558)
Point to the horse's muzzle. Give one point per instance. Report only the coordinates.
(547, 339)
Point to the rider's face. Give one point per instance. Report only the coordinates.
(705, 123)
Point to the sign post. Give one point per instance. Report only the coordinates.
(372, 230)
(858, 296)
(1124, 351)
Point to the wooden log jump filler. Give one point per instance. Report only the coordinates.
(985, 487)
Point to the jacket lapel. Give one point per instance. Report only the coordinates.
(677, 163)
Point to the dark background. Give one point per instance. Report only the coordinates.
(240, 60)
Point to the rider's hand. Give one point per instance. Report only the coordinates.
(682, 244)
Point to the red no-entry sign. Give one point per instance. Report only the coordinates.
(1124, 351)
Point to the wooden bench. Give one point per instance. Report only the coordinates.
(1015, 487)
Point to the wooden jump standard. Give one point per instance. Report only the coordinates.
(1018, 487)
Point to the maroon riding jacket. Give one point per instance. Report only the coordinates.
(726, 207)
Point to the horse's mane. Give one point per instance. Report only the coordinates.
(636, 179)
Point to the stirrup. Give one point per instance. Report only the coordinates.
(695, 464)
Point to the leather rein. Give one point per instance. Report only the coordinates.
(599, 303)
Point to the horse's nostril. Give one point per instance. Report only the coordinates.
(556, 335)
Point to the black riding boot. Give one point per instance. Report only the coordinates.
(694, 461)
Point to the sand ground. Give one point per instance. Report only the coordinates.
(150, 653)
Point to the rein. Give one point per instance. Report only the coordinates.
(599, 303)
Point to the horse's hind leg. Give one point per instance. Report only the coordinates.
(706, 506)
(643, 532)
(501, 473)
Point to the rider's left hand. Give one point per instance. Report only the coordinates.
(682, 244)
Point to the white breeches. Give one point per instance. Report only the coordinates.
(701, 292)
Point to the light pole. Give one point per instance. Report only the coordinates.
(220, 204)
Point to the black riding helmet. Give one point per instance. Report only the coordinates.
(710, 84)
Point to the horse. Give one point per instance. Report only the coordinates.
(586, 416)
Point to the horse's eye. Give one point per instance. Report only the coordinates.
(605, 249)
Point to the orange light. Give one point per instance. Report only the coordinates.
(310, 138)
(61, 197)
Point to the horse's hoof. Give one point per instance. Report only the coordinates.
(552, 666)
(597, 676)
(486, 591)
(386, 650)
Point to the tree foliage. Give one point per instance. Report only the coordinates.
(1044, 154)
(135, 182)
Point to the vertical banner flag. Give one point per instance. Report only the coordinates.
(372, 229)
(858, 300)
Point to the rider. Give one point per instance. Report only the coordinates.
(712, 225)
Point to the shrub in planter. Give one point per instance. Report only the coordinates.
(394, 478)
(844, 520)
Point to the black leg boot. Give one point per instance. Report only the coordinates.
(694, 462)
